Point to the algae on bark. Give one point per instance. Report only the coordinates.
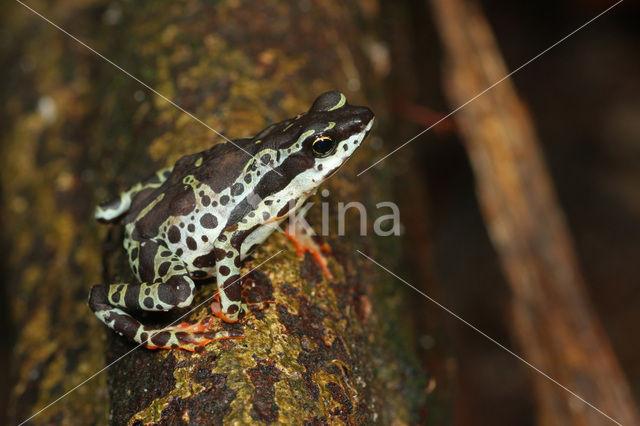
(78, 130)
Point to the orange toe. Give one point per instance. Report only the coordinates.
(216, 310)
(305, 243)
(198, 327)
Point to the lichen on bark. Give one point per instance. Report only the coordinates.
(325, 351)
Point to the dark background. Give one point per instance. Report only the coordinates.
(584, 96)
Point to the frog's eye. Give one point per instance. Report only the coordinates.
(323, 146)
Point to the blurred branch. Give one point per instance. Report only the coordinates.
(553, 321)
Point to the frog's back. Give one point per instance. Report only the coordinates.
(192, 207)
(193, 178)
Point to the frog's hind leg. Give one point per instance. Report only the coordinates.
(183, 336)
(111, 210)
(164, 283)
(165, 286)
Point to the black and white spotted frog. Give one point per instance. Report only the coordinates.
(203, 216)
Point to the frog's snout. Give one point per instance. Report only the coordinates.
(365, 116)
(364, 119)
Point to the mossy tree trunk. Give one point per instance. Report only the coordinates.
(77, 130)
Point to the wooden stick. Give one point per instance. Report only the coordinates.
(553, 321)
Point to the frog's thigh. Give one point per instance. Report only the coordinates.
(165, 284)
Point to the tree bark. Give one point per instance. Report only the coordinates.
(77, 130)
(553, 320)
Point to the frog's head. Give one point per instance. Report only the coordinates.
(313, 145)
(338, 130)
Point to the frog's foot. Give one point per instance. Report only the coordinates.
(189, 336)
(225, 314)
(251, 300)
(304, 242)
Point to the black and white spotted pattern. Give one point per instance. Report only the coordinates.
(204, 215)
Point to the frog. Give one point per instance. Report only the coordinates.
(203, 216)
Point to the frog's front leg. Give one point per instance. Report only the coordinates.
(301, 234)
(229, 305)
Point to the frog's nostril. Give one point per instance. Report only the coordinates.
(365, 115)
